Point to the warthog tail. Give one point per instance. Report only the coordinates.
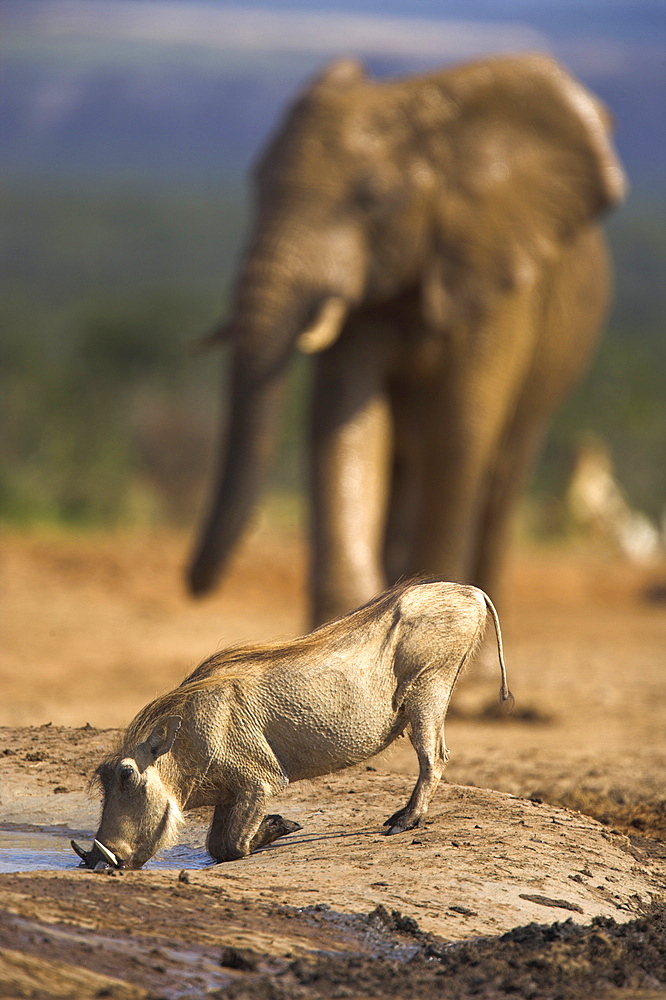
(506, 697)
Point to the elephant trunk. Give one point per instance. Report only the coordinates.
(279, 306)
(253, 416)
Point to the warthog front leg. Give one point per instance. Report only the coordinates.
(242, 826)
(426, 712)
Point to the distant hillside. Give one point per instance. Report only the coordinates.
(189, 90)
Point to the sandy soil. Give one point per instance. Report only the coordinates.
(555, 814)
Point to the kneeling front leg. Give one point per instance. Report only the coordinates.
(242, 826)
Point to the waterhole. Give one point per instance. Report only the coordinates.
(48, 850)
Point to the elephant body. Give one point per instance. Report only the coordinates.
(433, 242)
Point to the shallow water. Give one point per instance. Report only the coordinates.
(47, 850)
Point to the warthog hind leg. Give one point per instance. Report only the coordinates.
(403, 819)
(426, 712)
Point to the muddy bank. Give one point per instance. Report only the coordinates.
(337, 908)
(553, 820)
(483, 862)
(559, 960)
(244, 948)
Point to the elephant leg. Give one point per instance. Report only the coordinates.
(456, 456)
(478, 393)
(571, 317)
(350, 463)
(410, 413)
(513, 461)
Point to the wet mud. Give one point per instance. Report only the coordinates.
(537, 960)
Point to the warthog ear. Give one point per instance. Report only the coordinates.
(161, 739)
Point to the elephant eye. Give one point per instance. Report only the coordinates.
(376, 195)
(366, 199)
(370, 195)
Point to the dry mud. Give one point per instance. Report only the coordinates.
(541, 871)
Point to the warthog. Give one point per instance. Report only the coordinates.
(250, 720)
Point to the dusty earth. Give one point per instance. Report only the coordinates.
(541, 871)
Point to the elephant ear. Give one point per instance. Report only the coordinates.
(526, 163)
(340, 73)
(337, 76)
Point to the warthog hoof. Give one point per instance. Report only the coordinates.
(401, 821)
(272, 827)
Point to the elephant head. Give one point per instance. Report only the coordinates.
(454, 186)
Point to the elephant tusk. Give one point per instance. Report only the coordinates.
(109, 855)
(326, 327)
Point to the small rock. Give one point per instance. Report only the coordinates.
(393, 920)
(244, 959)
(183, 876)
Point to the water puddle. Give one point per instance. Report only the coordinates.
(50, 850)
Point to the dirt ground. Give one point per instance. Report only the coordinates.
(541, 871)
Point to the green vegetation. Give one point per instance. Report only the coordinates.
(107, 416)
(623, 398)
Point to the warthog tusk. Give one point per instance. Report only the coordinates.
(325, 328)
(84, 855)
(109, 855)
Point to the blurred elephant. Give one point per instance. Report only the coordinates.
(432, 240)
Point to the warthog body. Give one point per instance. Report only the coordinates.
(248, 721)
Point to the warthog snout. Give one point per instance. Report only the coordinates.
(98, 856)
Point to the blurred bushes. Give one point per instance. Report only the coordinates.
(99, 406)
(623, 397)
(107, 417)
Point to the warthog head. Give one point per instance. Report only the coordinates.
(140, 814)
